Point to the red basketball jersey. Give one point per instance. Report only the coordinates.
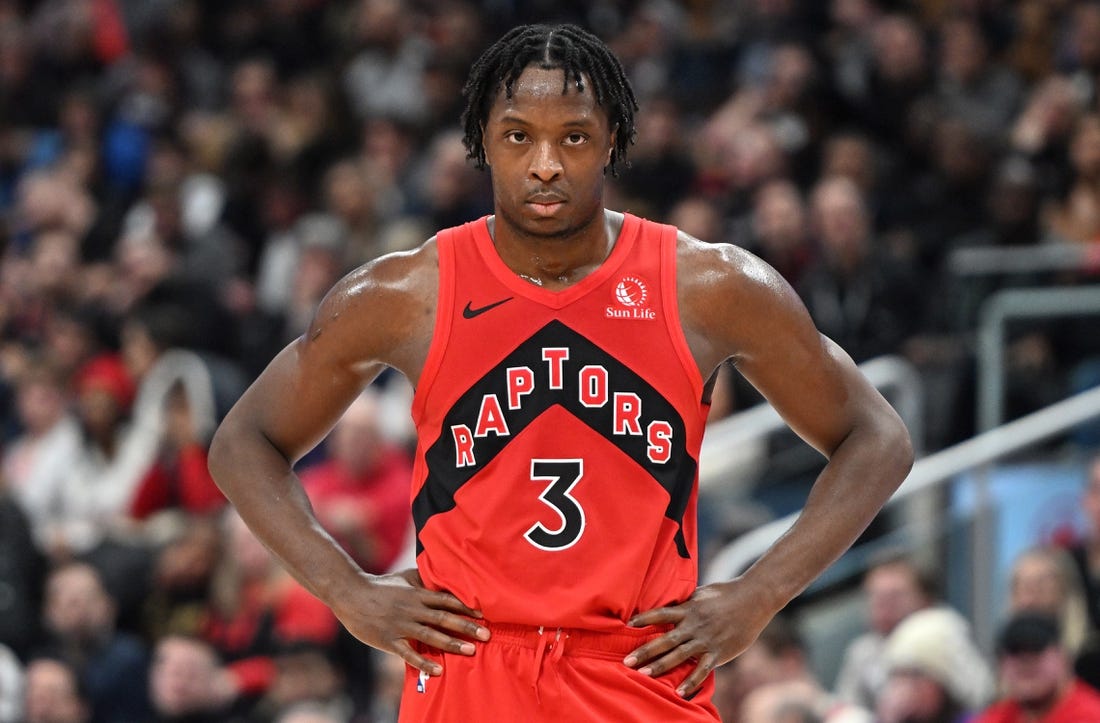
(559, 434)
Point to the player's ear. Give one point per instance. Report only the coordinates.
(611, 146)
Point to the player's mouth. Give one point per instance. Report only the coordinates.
(545, 204)
(545, 209)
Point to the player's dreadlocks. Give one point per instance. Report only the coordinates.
(577, 52)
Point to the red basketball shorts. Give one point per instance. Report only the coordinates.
(534, 675)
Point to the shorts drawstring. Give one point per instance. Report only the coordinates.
(556, 648)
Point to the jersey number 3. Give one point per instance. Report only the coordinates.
(563, 475)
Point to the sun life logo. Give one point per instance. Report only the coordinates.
(631, 295)
(631, 291)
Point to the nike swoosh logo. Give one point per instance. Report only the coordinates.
(469, 313)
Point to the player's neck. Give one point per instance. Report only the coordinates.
(556, 262)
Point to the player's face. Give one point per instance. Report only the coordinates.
(547, 153)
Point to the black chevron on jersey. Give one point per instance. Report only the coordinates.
(443, 480)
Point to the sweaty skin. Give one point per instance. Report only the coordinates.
(547, 153)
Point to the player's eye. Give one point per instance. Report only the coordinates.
(516, 136)
(575, 139)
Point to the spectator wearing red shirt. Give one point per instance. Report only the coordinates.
(361, 493)
(257, 610)
(179, 478)
(1037, 680)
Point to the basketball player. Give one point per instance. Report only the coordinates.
(561, 354)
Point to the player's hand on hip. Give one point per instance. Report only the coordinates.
(714, 625)
(391, 611)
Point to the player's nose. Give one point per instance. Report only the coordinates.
(545, 162)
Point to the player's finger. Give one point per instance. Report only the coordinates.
(697, 676)
(442, 619)
(672, 658)
(415, 659)
(447, 601)
(653, 648)
(657, 616)
(441, 641)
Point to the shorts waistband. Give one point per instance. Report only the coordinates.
(574, 641)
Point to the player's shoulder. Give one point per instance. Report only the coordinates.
(388, 279)
(384, 300)
(396, 271)
(706, 267)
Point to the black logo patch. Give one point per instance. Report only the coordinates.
(470, 313)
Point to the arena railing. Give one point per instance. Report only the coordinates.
(897, 378)
(1007, 306)
(931, 473)
(995, 260)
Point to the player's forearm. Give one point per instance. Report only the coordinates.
(258, 480)
(862, 473)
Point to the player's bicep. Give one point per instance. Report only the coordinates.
(811, 382)
(308, 385)
(301, 395)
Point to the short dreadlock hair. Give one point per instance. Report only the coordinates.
(576, 51)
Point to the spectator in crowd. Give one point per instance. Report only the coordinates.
(21, 576)
(1079, 56)
(730, 691)
(255, 608)
(72, 335)
(296, 273)
(178, 479)
(178, 395)
(970, 85)
(52, 274)
(946, 198)
(53, 693)
(1042, 132)
(389, 681)
(852, 155)
(1076, 217)
(894, 587)
(308, 673)
(385, 78)
(182, 570)
(1044, 580)
(859, 297)
(187, 682)
(446, 189)
(80, 621)
(11, 685)
(1085, 550)
(1036, 676)
(361, 492)
(660, 165)
(698, 216)
(776, 674)
(78, 508)
(51, 438)
(898, 77)
(780, 230)
(1011, 220)
(351, 196)
(936, 674)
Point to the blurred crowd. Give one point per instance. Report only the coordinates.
(182, 180)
